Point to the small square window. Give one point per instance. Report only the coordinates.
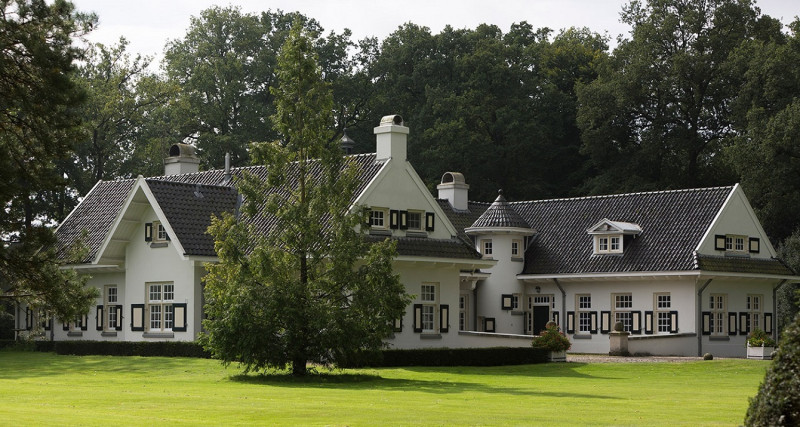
(487, 247)
(377, 218)
(415, 221)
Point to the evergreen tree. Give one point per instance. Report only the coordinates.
(293, 294)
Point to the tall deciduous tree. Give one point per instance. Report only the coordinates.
(659, 112)
(293, 293)
(38, 128)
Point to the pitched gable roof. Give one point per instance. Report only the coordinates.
(674, 222)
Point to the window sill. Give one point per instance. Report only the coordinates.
(412, 233)
(108, 334)
(158, 335)
(430, 336)
(517, 259)
(582, 337)
(719, 338)
(379, 232)
(517, 313)
(158, 245)
(74, 334)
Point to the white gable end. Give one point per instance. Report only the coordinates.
(736, 218)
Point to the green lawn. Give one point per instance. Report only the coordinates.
(41, 388)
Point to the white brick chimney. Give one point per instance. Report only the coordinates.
(182, 159)
(455, 190)
(392, 139)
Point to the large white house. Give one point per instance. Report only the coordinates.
(686, 272)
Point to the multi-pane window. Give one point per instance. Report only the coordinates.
(608, 244)
(718, 304)
(415, 221)
(159, 306)
(663, 304)
(602, 244)
(623, 303)
(377, 218)
(487, 247)
(615, 244)
(584, 315)
(754, 310)
(515, 301)
(734, 243)
(429, 299)
(515, 245)
(110, 301)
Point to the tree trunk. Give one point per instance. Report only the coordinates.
(298, 367)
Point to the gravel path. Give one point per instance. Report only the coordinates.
(599, 358)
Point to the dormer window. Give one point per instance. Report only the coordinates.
(734, 243)
(609, 236)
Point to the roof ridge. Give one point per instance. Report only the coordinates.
(639, 193)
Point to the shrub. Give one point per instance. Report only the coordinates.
(759, 338)
(551, 339)
(125, 348)
(494, 356)
(778, 402)
(708, 356)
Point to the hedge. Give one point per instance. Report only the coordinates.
(493, 356)
(126, 348)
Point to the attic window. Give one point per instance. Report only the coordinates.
(609, 236)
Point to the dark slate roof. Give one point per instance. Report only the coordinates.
(673, 223)
(97, 211)
(189, 208)
(463, 219)
(742, 265)
(425, 247)
(95, 214)
(500, 214)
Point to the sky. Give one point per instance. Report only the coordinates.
(148, 24)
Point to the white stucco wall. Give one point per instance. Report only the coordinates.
(503, 280)
(737, 218)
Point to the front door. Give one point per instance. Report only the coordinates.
(541, 315)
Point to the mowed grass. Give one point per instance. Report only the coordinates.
(42, 388)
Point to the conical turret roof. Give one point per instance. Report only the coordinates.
(500, 215)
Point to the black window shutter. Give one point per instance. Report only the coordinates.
(648, 322)
(65, 326)
(706, 323)
(137, 317)
(636, 322)
(505, 302)
(417, 317)
(719, 242)
(488, 324)
(444, 318)
(398, 325)
(99, 318)
(148, 232)
(673, 322)
(118, 325)
(754, 245)
(605, 322)
(394, 219)
(593, 326)
(768, 323)
(28, 319)
(556, 318)
(179, 320)
(732, 324)
(404, 220)
(429, 221)
(570, 322)
(744, 327)
(85, 322)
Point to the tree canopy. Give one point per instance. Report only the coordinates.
(295, 294)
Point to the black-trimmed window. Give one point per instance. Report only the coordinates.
(622, 310)
(754, 311)
(718, 314)
(377, 218)
(160, 310)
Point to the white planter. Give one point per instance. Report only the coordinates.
(558, 356)
(760, 353)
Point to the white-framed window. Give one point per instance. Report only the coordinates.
(735, 243)
(516, 246)
(110, 302)
(622, 305)
(662, 305)
(430, 298)
(754, 309)
(463, 312)
(515, 298)
(414, 220)
(377, 218)
(584, 303)
(718, 305)
(161, 314)
(608, 244)
(159, 232)
(486, 247)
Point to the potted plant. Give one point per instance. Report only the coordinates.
(760, 345)
(554, 341)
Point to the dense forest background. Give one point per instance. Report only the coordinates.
(701, 93)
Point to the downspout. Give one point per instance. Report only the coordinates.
(699, 323)
(775, 334)
(563, 304)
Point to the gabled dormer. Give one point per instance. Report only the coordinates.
(610, 237)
